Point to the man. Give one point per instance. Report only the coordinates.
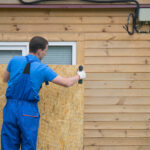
(25, 75)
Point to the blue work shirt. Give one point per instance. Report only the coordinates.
(39, 72)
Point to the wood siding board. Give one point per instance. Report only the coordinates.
(117, 133)
(69, 20)
(117, 100)
(117, 68)
(116, 117)
(117, 92)
(49, 36)
(116, 36)
(117, 44)
(57, 28)
(117, 141)
(118, 76)
(65, 12)
(117, 60)
(117, 109)
(117, 84)
(117, 125)
(116, 147)
(131, 52)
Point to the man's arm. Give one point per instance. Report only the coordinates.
(66, 82)
(6, 76)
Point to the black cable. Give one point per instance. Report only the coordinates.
(32, 2)
(96, 1)
(126, 27)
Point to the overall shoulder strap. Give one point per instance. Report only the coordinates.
(27, 67)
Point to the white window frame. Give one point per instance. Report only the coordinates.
(73, 44)
(24, 47)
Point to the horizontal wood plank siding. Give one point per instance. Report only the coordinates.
(117, 87)
(117, 99)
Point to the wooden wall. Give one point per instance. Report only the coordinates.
(117, 88)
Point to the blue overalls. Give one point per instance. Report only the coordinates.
(20, 114)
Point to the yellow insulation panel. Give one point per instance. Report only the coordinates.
(61, 112)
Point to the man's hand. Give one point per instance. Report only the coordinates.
(81, 74)
(67, 82)
(6, 76)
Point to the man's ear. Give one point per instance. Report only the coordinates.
(38, 52)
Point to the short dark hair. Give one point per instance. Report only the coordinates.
(36, 43)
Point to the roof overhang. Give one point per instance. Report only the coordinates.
(71, 6)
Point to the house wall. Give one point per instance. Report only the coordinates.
(117, 88)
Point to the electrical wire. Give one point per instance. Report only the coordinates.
(96, 1)
(126, 27)
(32, 2)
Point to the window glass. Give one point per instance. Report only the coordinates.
(6, 55)
(60, 55)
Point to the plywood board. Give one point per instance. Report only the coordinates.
(61, 109)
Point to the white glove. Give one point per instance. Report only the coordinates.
(81, 74)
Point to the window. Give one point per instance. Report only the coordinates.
(10, 49)
(59, 53)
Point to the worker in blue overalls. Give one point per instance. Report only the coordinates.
(25, 75)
